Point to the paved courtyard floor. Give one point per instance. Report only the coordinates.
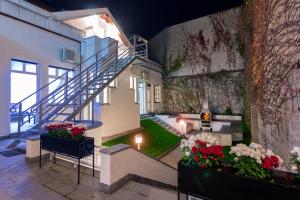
(172, 157)
(21, 180)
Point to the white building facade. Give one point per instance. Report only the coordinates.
(39, 46)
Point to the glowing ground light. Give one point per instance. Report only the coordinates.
(138, 140)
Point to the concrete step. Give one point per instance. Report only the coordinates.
(21, 145)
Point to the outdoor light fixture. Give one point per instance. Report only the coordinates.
(138, 140)
(182, 123)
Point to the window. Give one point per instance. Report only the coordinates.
(157, 94)
(106, 96)
(133, 86)
(23, 73)
(55, 74)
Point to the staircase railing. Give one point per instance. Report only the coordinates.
(92, 76)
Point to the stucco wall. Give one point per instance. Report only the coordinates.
(122, 114)
(129, 161)
(25, 42)
(201, 59)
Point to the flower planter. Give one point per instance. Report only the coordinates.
(209, 183)
(67, 146)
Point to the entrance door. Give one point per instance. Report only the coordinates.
(23, 82)
(149, 109)
(142, 98)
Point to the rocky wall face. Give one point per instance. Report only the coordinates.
(204, 45)
(273, 72)
(201, 59)
(222, 90)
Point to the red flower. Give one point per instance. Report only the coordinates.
(201, 143)
(270, 163)
(196, 159)
(202, 166)
(77, 131)
(194, 149)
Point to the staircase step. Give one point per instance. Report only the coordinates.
(67, 114)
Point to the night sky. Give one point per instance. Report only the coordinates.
(145, 17)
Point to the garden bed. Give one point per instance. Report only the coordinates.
(156, 139)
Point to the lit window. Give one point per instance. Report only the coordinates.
(157, 94)
(136, 98)
(30, 67)
(133, 86)
(131, 82)
(55, 75)
(106, 96)
(23, 72)
(16, 65)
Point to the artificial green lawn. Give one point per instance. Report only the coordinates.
(156, 139)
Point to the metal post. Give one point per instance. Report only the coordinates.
(74, 106)
(78, 171)
(97, 66)
(40, 116)
(93, 112)
(94, 162)
(134, 44)
(146, 56)
(19, 117)
(40, 152)
(116, 57)
(87, 81)
(80, 113)
(66, 88)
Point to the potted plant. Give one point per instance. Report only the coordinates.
(295, 153)
(250, 175)
(254, 161)
(68, 139)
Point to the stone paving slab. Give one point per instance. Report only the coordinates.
(173, 157)
(22, 180)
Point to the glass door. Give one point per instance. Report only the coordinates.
(149, 109)
(23, 82)
(142, 97)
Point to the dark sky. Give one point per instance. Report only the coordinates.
(145, 17)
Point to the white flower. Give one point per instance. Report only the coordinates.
(269, 153)
(184, 143)
(294, 168)
(235, 159)
(259, 161)
(293, 152)
(187, 153)
(296, 149)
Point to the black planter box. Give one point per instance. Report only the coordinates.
(213, 184)
(66, 146)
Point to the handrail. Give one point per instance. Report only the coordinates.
(61, 88)
(78, 65)
(77, 90)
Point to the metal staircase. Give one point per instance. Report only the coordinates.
(92, 75)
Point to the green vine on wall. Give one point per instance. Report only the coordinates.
(170, 64)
